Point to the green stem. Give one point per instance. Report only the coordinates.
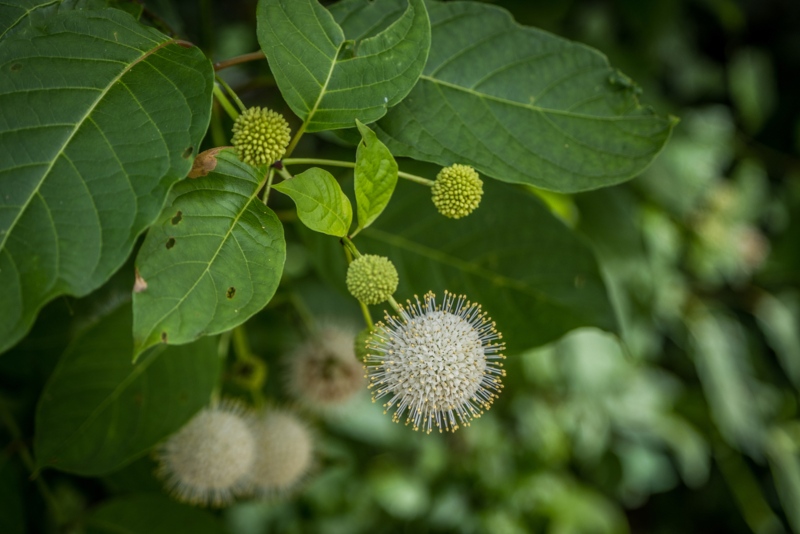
(296, 138)
(232, 93)
(350, 247)
(351, 165)
(240, 344)
(270, 176)
(367, 315)
(217, 130)
(27, 459)
(284, 174)
(226, 104)
(394, 304)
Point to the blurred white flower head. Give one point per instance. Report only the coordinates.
(207, 462)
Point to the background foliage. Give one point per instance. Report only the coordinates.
(685, 420)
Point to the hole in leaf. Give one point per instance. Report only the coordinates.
(178, 217)
(188, 152)
(170, 242)
(163, 337)
(16, 67)
(231, 292)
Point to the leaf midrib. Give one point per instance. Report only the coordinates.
(111, 397)
(532, 107)
(210, 262)
(75, 130)
(464, 266)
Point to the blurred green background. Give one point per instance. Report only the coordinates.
(686, 423)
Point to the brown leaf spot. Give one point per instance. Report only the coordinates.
(231, 292)
(177, 218)
(188, 152)
(170, 242)
(205, 162)
(163, 337)
(139, 284)
(16, 67)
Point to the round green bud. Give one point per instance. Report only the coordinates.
(457, 191)
(260, 136)
(372, 279)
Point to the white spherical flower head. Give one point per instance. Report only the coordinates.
(207, 462)
(285, 452)
(437, 363)
(323, 372)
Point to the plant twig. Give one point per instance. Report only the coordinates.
(238, 60)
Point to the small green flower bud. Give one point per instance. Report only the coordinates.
(372, 279)
(457, 191)
(260, 136)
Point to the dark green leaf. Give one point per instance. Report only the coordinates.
(99, 411)
(212, 259)
(522, 105)
(326, 77)
(12, 518)
(533, 276)
(100, 116)
(321, 203)
(150, 514)
(375, 177)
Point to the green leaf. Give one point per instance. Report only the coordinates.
(98, 120)
(12, 518)
(326, 77)
(719, 350)
(321, 203)
(783, 454)
(213, 258)
(778, 318)
(534, 277)
(375, 177)
(99, 412)
(150, 514)
(522, 105)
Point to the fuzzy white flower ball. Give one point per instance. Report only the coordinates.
(323, 371)
(207, 462)
(285, 450)
(438, 365)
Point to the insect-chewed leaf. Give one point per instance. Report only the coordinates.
(375, 176)
(212, 259)
(321, 203)
(328, 78)
(518, 104)
(99, 412)
(99, 116)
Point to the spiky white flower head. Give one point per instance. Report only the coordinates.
(324, 372)
(207, 462)
(437, 363)
(260, 136)
(285, 450)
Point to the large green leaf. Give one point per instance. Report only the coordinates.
(99, 116)
(150, 514)
(519, 104)
(533, 275)
(329, 79)
(321, 203)
(375, 177)
(212, 259)
(99, 411)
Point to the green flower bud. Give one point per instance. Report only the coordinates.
(372, 279)
(260, 136)
(457, 191)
